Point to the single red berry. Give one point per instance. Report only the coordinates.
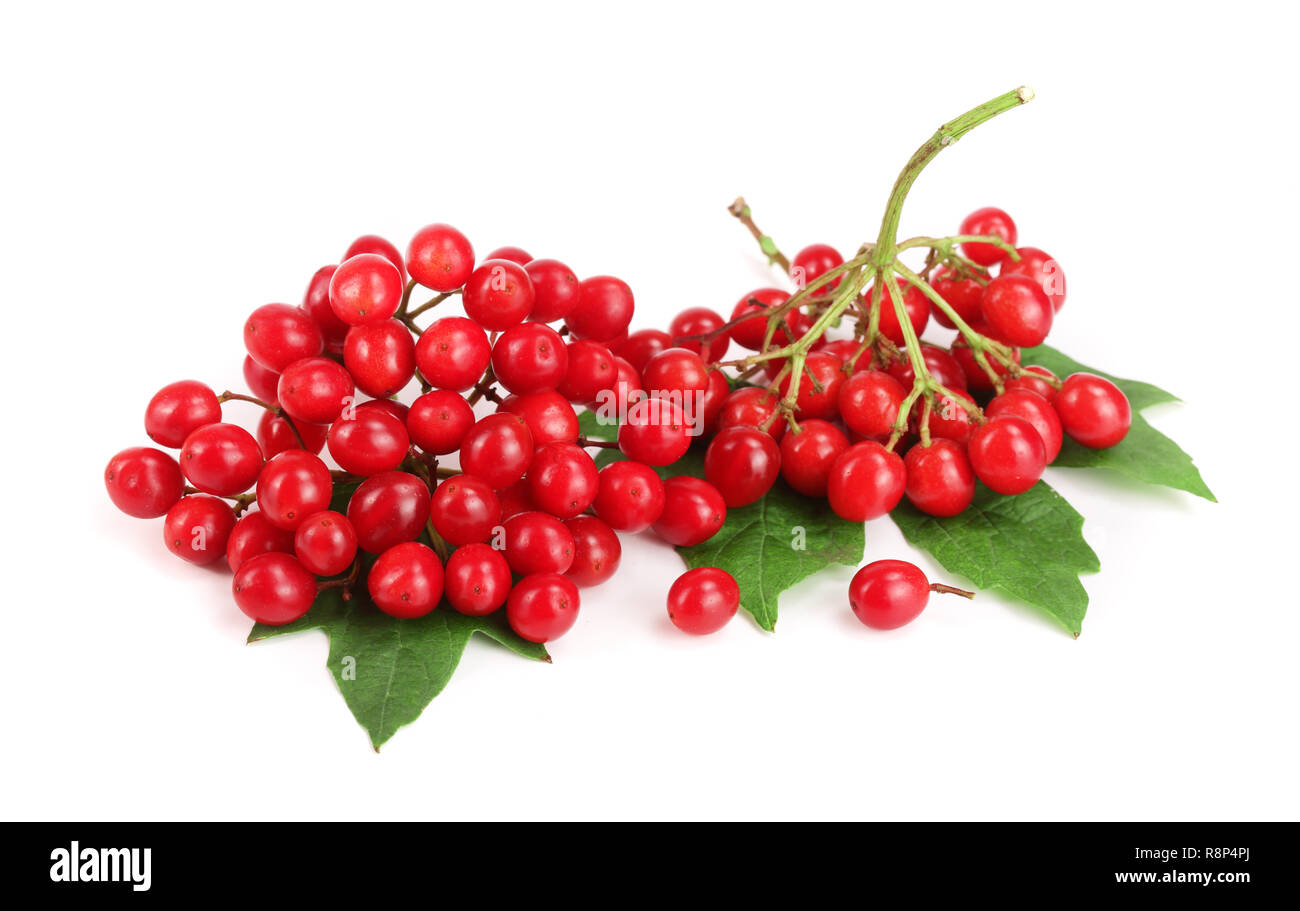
(1094, 411)
(655, 432)
(702, 600)
(406, 580)
(276, 335)
(197, 529)
(694, 321)
(603, 311)
(709, 409)
(915, 304)
(808, 454)
(368, 441)
(498, 449)
(1034, 379)
(515, 499)
(536, 542)
(548, 415)
(389, 407)
(596, 551)
(1044, 270)
(325, 543)
(987, 221)
(949, 418)
(555, 289)
(866, 482)
(439, 420)
(464, 510)
(814, 261)
(590, 372)
(373, 243)
(542, 607)
(530, 357)
(1017, 310)
(365, 289)
(819, 387)
(962, 294)
(477, 580)
(221, 459)
(888, 594)
(849, 348)
(639, 347)
(316, 304)
(179, 408)
(943, 367)
(676, 372)
(517, 255)
(453, 353)
(275, 435)
(977, 380)
(562, 479)
(869, 403)
(1007, 454)
(630, 496)
(499, 294)
(749, 332)
(315, 390)
(752, 406)
(292, 486)
(252, 536)
(388, 509)
(440, 257)
(263, 383)
(381, 357)
(940, 481)
(274, 589)
(627, 389)
(143, 482)
(1036, 410)
(743, 463)
(693, 512)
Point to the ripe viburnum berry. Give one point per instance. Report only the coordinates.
(703, 600)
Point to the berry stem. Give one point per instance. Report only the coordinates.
(276, 410)
(937, 588)
(597, 444)
(741, 210)
(483, 388)
(346, 582)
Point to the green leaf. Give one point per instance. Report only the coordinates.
(1145, 454)
(1030, 547)
(388, 670)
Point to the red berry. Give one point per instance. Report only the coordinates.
(325, 543)
(940, 481)
(987, 221)
(179, 408)
(596, 551)
(373, 243)
(639, 347)
(440, 257)
(1017, 310)
(515, 499)
(315, 390)
(477, 580)
(656, 432)
(143, 482)
(1007, 454)
(274, 589)
(949, 418)
(276, 335)
(603, 311)
(316, 304)
(693, 511)
(254, 535)
(814, 261)
(562, 479)
(1093, 410)
(748, 333)
(591, 371)
(555, 289)
(828, 372)
(699, 321)
(387, 406)
(943, 367)
(464, 510)
(807, 456)
(626, 389)
(542, 607)
(197, 529)
(702, 600)
(846, 348)
(381, 357)
(453, 353)
(497, 449)
(742, 462)
(517, 255)
(751, 406)
(915, 304)
(710, 407)
(292, 486)
(630, 496)
(406, 581)
(538, 543)
(548, 415)
(498, 295)
(366, 288)
(962, 294)
(977, 380)
(275, 435)
(368, 441)
(1040, 267)
(888, 594)
(866, 481)
(1034, 379)
(675, 372)
(438, 421)
(263, 383)
(388, 509)
(869, 403)
(221, 459)
(530, 357)
(1036, 410)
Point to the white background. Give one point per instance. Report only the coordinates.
(168, 168)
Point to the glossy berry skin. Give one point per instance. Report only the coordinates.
(476, 580)
(221, 459)
(1094, 411)
(604, 309)
(866, 482)
(888, 594)
(1043, 269)
(626, 389)
(316, 304)
(497, 449)
(178, 409)
(656, 432)
(703, 600)
(1007, 454)
(977, 380)
(915, 304)
(453, 353)
(962, 294)
(596, 551)
(676, 372)
(699, 321)
(381, 357)
(742, 463)
(940, 481)
(253, 536)
(710, 404)
(1036, 410)
(748, 333)
(751, 406)
(548, 415)
(538, 543)
(845, 348)
(943, 367)
(406, 581)
(387, 406)
(807, 456)
(630, 496)
(498, 295)
(530, 357)
(517, 255)
(325, 543)
(291, 487)
(276, 335)
(197, 529)
(388, 509)
(368, 441)
(1034, 379)
(693, 511)
(542, 607)
(515, 499)
(828, 370)
(365, 288)
(373, 243)
(263, 383)
(143, 482)
(315, 390)
(274, 589)
(464, 510)
(555, 289)
(562, 479)
(275, 435)
(814, 261)
(438, 421)
(591, 371)
(869, 403)
(1017, 310)
(987, 221)
(440, 257)
(949, 418)
(639, 347)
